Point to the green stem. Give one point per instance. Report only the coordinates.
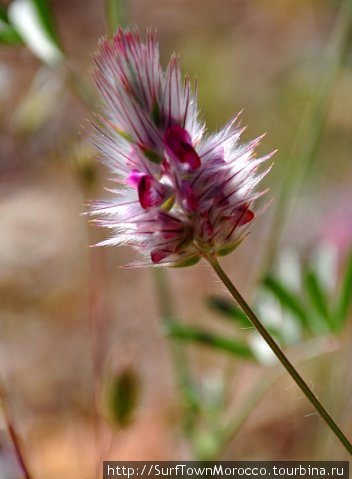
(306, 143)
(311, 349)
(177, 350)
(79, 88)
(115, 14)
(251, 400)
(279, 353)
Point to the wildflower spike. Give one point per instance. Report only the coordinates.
(184, 194)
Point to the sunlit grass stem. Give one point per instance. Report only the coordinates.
(305, 146)
(115, 15)
(306, 352)
(279, 353)
(177, 350)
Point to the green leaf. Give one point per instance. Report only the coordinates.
(317, 296)
(8, 34)
(287, 299)
(33, 21)
(3, 14)
(228, 309)
(47, 19)
(191, 333)
(345, 297)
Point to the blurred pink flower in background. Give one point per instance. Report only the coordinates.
(337, 227)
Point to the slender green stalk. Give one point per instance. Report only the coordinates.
(13, 433)
(177, 350)
(80, 89)
(251, 399)
(115, 14)
(306, 143)
(311, 349)
(279, 353)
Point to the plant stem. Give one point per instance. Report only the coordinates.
(305, 145)
(115, 15)
(251, 400)
(177, 350)
(279, 353)
(311, 349)
(13, 433)
(79, 88)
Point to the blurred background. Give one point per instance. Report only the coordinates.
(98, 362)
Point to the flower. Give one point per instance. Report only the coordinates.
(181, 194)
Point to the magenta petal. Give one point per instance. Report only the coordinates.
(159, 254)
(247, 217)
(175, 135)
(207, 229)
(179, 145)
(145, 192)
(187, 193)
(151, 192)
(134, 178)
(190, 156)
(192, 203)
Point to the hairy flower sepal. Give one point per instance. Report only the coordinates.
(152, 156)
(231, 247)
(185, 263)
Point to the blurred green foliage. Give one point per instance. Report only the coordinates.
(8, 33)
(121, 397)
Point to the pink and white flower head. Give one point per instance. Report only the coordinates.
(181, 194)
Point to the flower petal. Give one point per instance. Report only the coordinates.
(179, 146)
(158, 255)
